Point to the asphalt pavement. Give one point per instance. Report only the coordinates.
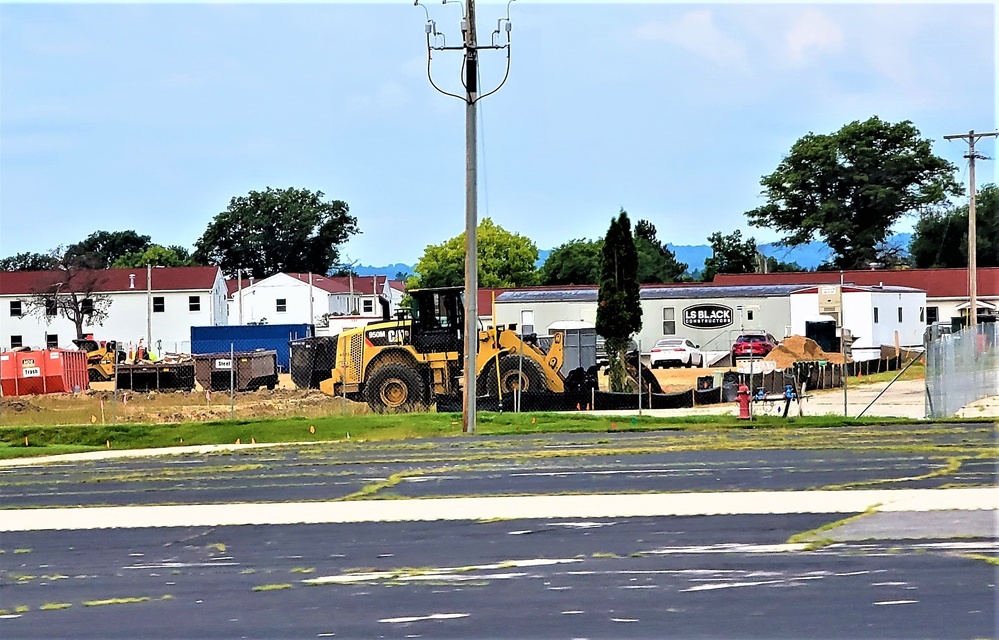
(834, 533)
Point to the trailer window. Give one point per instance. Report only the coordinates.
(669, 321)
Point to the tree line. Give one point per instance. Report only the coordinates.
(847, 188)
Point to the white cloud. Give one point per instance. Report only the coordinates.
(697, 33)
(812, 32)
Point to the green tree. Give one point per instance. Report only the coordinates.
(158, 255)
(656, 263)
(575, 262)
(730, 254)
(619, 309)
(851, 186)
(28, 262)
(101, 249)
(277, 230)
(940, 239)
(505, 259)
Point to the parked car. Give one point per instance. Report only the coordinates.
(670, 352)
(753, 345)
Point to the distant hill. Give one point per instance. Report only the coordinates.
(809, 256)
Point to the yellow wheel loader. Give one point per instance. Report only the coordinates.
(406, 363)
(101, 358)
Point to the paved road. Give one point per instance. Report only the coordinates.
(923, 456)
(897, 573)
(707, 576)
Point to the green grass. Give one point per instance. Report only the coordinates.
(54, 606)
(101, 603)
(915, 372)
(49, 440)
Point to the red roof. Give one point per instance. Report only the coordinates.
(938, 283)
(111, 280)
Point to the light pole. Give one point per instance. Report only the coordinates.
(436, 41)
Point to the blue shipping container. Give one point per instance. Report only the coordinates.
(250, 337)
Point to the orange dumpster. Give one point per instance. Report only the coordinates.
(44, 371)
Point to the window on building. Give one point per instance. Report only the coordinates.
(282, 305)
(875, 315)
(15, 308)
(368, 305)
(87, 307)
(669, 321)
(749, 314)
(194, 303)
(159, 304)
(900, 314)
(51, 340)
(932, 314)
(16, 342)
(922, 314)
(51, 307)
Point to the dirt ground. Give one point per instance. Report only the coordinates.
(98, 404)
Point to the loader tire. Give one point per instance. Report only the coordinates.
(395, 388)
(528, 376)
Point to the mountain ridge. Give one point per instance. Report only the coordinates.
(809, 256)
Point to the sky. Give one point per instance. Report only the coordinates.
(151, 117)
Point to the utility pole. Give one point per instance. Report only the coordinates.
(149, 305)
(471, 226)
(972, 138)
(470, 49)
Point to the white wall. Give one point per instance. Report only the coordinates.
(126, 322)
(771, 314)
(858, 318)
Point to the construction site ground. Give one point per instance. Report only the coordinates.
(902, 399)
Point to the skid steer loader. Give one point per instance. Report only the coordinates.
(406, 363)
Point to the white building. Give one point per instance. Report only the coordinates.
(713, 316)
(876, 316)
(302, 298)
(169, 303)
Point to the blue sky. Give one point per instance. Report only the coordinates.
(152, 116)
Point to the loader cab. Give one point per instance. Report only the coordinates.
(438, 320)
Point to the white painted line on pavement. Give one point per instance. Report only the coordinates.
(509, 507)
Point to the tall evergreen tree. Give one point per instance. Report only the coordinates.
(619, 309)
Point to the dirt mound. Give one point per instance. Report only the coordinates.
(800, 349)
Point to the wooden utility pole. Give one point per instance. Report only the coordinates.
(972, 138)
(471, 224)
(470, 49)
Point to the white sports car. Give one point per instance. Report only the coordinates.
(676, 351)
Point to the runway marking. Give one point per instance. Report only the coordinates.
(891, 602)
(572, 613)
(729, 585)
(507, 507)
(624, 620)
(731, 548)
(432, 616)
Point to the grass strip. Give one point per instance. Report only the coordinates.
(47, 440)
(272, 587)
(101, 603)
(812, 536)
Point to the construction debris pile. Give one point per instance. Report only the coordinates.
(800, 349)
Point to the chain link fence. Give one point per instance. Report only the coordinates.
(961, 367)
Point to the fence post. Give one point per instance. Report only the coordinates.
(520, 377)
(232, 380)
(639, 374)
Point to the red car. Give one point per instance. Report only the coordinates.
(753, 345)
